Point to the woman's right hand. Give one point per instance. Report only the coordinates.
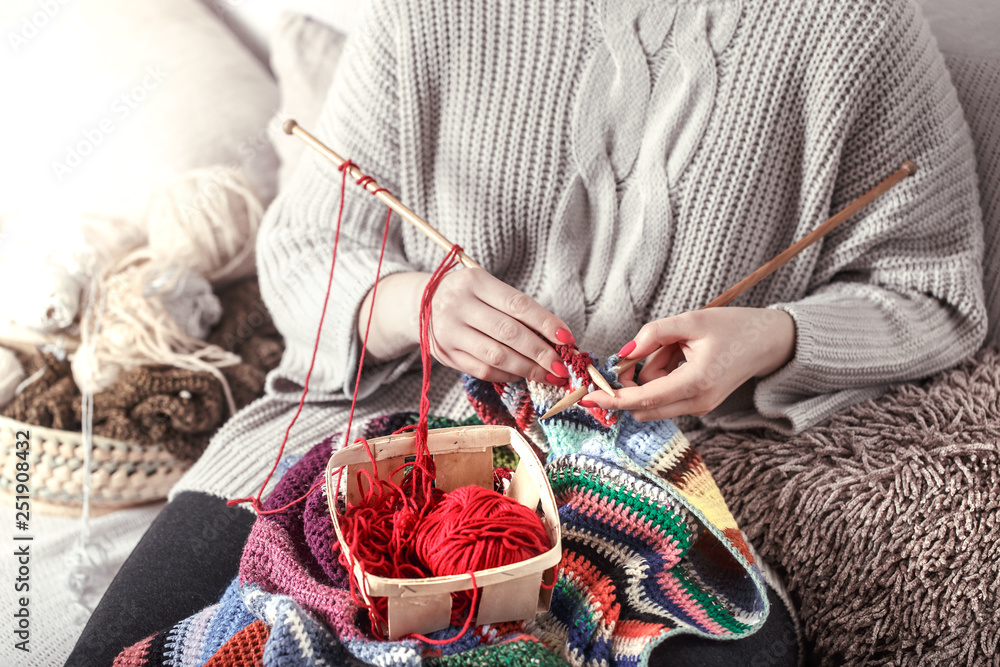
(479, 325)
(486, 328)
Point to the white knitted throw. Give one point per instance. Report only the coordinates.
(625, 160)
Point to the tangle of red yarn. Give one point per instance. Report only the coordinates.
(379, 529)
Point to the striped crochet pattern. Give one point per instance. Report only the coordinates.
(649, 550)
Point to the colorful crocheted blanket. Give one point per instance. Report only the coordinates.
(649, 550)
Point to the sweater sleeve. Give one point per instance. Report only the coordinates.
(295, 246)
(897, 291)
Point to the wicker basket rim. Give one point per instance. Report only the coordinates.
(71, 436)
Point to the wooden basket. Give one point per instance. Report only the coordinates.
(462, 456)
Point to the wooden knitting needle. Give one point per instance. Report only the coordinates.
(907, 169)
(293, 128)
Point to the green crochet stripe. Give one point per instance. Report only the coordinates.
(664, 518)
(583, 619)
(505, 457)
(444, 422)
(518, 652)
(710, 603)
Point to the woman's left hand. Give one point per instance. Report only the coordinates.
(721, 348)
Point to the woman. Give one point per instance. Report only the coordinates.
(616, 165)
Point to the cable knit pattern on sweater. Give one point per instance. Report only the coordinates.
(630, 160)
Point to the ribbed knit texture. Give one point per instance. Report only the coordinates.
(627, 160)
(977, 80)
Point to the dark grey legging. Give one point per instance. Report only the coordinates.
(192, 551)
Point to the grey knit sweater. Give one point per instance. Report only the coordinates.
(622, 161)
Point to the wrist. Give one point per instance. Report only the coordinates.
(395, 321)
(780, 343)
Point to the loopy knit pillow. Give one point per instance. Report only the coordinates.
(883, 520)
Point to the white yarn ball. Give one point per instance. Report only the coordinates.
(48, 301)
(207, 220)
(187, 298)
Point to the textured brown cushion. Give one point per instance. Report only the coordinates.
(884, 520)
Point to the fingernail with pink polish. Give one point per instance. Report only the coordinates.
(555, 379)
(565, 337)
(559, 368)
(588, 404)
(627, 350)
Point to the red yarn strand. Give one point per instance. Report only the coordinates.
(255, 501)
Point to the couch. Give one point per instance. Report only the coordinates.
(883, 520)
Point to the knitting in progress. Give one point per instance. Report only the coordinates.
(649, 196)
(649, 549)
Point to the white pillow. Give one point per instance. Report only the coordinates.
(304, 57)
(110, 99)
(255, 21)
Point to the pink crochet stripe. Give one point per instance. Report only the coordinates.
(629, 522)
(669, 585)
(134, 655)
(270, 561)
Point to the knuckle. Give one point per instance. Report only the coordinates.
(694, 319)
(444, 299)
(506, 331)
(698, 379)
(479, 369)
(647, 403)
(494, 356)
(648, 330)
(517, 303)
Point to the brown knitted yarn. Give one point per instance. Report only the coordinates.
(177, 409)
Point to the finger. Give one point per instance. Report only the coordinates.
(487, 351)
(661, 363)
(514, 335)
(628, 376)
(518, 305)
(688, 406)
(467, 363)
(661, 333)
(660, 392)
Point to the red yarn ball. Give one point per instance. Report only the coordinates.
(473, 528)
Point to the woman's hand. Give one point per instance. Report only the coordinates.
(479, 325)
(721, 348)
